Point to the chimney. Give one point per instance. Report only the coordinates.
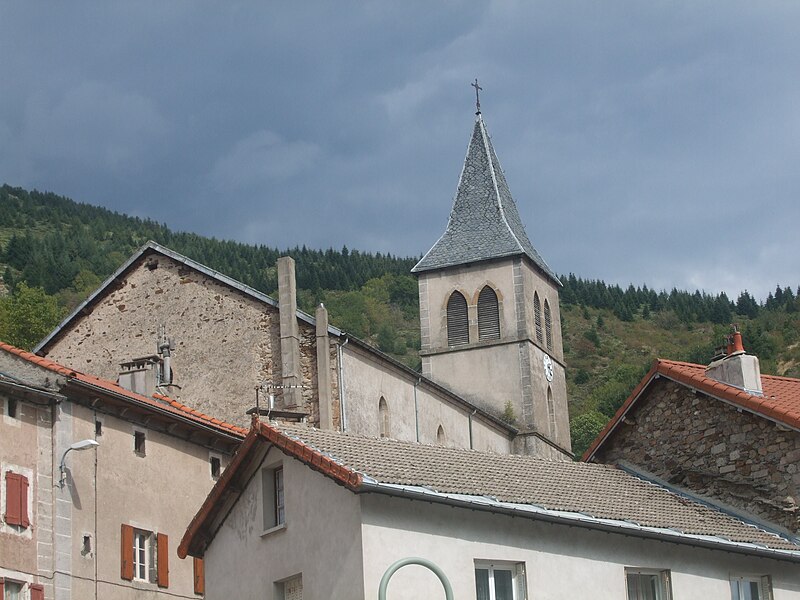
(324, 369)
(140, 375)
(289, 332)
(735, 367)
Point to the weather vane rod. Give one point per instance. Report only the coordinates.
(477, 96)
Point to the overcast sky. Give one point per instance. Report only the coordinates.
(644, 142)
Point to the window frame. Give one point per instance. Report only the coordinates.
(147, 548)
(519, 584)
(764, 583)
(663, 576)
(273, 497)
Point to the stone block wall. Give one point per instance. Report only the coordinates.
(713, 449)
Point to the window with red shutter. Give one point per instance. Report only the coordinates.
(162, 556)
(199, 576)
(2, 588)
(126, 552)
(37, 591)
(16, 500)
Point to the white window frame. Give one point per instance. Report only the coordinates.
(738, 583)
(143, 543)
(273, 498)
(519, 585)
(20, 591)
(663, 576)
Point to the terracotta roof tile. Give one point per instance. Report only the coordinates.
(157, 401)
(780, 400)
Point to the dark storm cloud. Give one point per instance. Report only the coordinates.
(644, 142)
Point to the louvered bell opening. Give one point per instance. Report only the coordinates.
(548, 326)
(488, 315)
(537, 317)
(457, 320)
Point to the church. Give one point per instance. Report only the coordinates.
(493, 373)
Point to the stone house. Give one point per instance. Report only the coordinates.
(305, 513)
(490, 330)
(97, 484)
(722, 432)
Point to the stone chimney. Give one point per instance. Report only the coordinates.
(735, 367)
(140, 375)
(290, 334)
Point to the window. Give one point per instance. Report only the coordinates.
(645, 584)
(215, 464)
(488, 315)
(548, 325)
(98, 427)
(272, 492)
(139, 439)
(751, 588)
(290, 589)
(537, 317)
(145, 556)
(500, 581)
(10, 590)
(383, 418)
(11, 408)
(441, 438)
(16, 510)
(457, 320)
(551, 413)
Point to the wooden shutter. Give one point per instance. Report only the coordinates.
(162, 556)
(488, 315)
(24, 520)
(37, 591)
(199, 576)
(457, 320)
(2, 588)
(126, 552)
(13, 515)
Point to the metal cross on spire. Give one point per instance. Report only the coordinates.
(477, 96)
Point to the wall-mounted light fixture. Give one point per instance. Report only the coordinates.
(82, 445)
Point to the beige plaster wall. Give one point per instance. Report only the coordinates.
(367, 380)
(20, 453)
(560, 562)
(321, 540)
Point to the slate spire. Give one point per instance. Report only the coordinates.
(484, 223)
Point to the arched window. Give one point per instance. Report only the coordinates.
(457, 320)
(548, 325)
(488, 315)
(441, 439)
(537, 317)
(551, 413)
(383, 418)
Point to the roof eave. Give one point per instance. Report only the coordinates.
(530, 511)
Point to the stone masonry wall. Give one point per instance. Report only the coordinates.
(227, 342)
(709, 447)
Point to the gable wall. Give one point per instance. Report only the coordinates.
(227, 343)
(703, 444)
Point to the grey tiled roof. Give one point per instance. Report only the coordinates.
(484, 222)
(596, 490)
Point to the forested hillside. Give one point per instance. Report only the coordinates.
(54, 252)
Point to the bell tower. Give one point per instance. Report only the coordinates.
(489, 313)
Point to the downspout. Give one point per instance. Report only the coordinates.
(342, 411)
(470, 428)
(416, 407)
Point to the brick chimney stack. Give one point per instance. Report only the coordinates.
(736, 367)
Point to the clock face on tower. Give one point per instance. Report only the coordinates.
(548, 367)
